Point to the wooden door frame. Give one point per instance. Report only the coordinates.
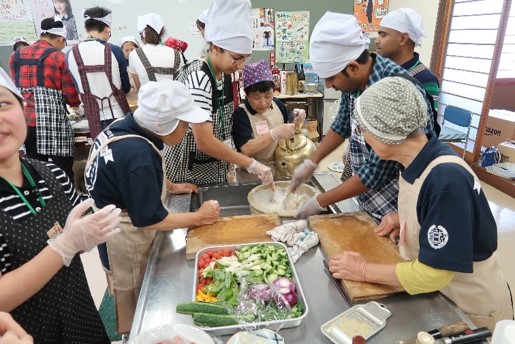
(443, 24)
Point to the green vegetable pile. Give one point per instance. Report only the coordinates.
(260, 263)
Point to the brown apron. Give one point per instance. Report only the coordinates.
(128, 253)
(152, 71)
(89, 100)
(482, 295)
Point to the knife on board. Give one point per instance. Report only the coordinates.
(444, 331)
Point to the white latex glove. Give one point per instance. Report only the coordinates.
(302, 173)
(284, 131)
(264, 172)
(308, 208)
(300, 116)
(81, 234)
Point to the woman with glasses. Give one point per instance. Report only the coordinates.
(41, 75)
(204, 154)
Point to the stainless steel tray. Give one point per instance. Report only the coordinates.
(363, 320)
(274, 324)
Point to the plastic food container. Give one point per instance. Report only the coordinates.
(274, 324)
(363, 320)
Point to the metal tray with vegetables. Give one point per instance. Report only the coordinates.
(245, 287)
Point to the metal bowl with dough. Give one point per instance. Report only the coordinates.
(263, 200)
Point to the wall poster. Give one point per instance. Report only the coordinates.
(292, 36)
(22, 18)
(263, 28)
(369, 14)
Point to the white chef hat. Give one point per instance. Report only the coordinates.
(202, 17)
(151, 19)
(129, 39)
(405, 20)
(161, 104)
(229, 25)
(337, 39)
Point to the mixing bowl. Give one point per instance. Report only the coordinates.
(263, 200)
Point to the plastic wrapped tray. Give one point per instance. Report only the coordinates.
(363, 320)
(274, 324)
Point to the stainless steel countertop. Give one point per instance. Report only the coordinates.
(169, 281)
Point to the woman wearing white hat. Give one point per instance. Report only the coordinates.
(132, 171)
(203, 155)
(41, 74)
(153, 61)
(41, 277)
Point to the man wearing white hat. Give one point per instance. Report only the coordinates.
(339, 53)
(399, 33)
(125, 168)
(203, 155)
(100, 71)
(41, 74)
(153, 61)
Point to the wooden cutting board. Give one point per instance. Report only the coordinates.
(355, 232)
(231, 230)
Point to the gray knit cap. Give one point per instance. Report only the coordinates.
(391, 109)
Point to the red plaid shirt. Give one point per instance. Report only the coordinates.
(55, 72)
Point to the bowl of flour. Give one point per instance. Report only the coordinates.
(262, 199)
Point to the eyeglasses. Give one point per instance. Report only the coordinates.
(241, 59)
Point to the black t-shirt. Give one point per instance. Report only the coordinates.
(452, 202)
(129, 174)
(241, 127)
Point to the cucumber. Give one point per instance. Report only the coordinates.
(200, 307)
(216, 320)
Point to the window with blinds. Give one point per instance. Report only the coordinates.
(471, 43)
(506, 68)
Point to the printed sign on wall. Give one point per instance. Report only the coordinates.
(292, 36)
(369, 14)
(263, 26)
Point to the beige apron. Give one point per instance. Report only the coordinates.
(128, 254)
(273, 119)
(483, 295)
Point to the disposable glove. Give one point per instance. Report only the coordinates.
(302, 173)
(300, 116)
(264, 172)
(308, 208)
(284, 131)
(81, 234)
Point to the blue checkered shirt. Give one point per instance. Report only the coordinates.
(380, 176)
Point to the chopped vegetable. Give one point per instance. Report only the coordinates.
(285, 292)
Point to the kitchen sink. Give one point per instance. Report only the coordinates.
(232, 198)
